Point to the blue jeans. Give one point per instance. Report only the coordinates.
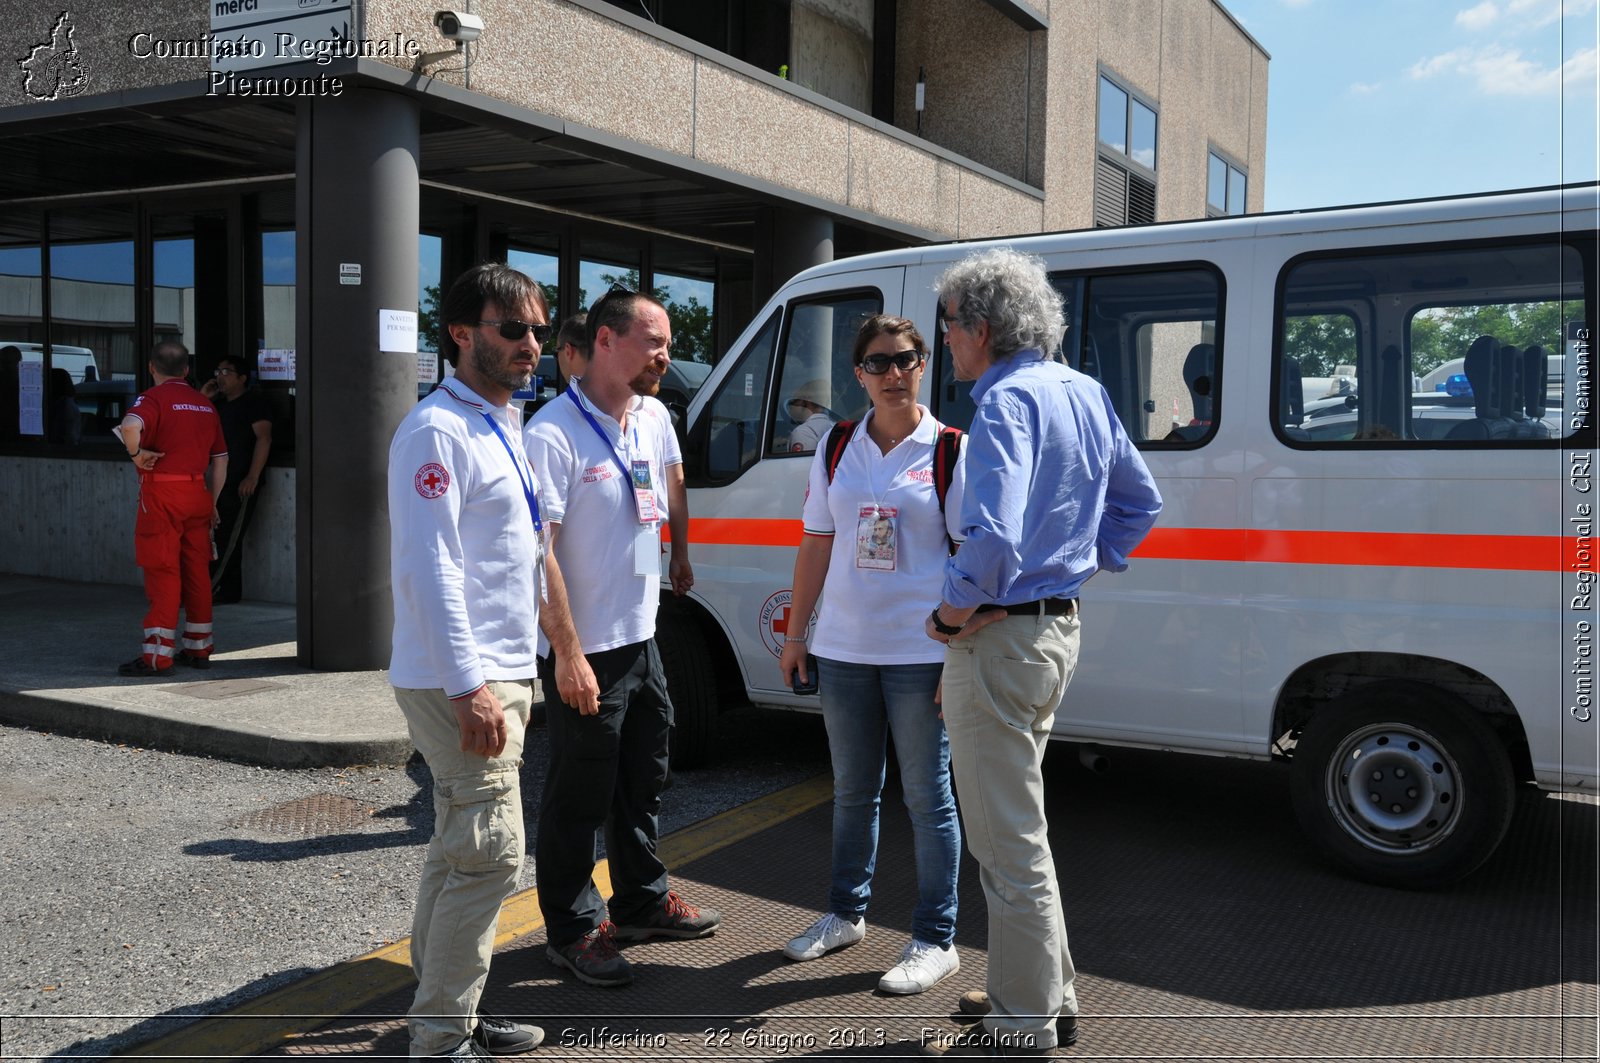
(861, 704)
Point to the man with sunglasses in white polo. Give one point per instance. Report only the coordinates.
(609, 459)
(474, 585)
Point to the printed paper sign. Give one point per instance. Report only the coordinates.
(397, 331)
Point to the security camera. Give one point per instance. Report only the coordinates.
(458, 26)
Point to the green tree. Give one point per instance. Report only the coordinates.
(428, 318)
(1320, 342)
(690, 322)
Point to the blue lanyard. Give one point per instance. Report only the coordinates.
(526, 478)
(627, 477)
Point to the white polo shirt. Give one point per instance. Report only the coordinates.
(873, 615)
(461, 546)
(593, 501)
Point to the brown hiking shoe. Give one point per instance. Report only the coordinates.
(593, 958)
(674, 919)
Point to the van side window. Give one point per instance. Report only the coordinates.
(1432, 347)
(1153, 339)
(817, 386)
(727, 440)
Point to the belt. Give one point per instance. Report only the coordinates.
(173, 477)
(1037, 607)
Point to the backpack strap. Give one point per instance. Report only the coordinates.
(838, 439)
(946, 450)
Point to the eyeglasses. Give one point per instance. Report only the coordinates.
(223, 370)
(512, 329)
(615, 292)
(944, 325)
(878, 364)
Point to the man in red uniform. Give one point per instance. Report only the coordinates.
(174, 436)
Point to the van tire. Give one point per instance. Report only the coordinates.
(691, 684)
(1383, 826)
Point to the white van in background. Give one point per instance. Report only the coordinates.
(78, 361)
(1401, 611)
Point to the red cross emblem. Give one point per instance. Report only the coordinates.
(432, 480)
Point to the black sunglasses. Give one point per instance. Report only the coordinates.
(878, 364)
(512, 329)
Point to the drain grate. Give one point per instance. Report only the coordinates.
(317, 814)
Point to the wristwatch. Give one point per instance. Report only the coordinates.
(941, 627)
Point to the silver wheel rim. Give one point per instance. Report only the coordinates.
(1394, 789)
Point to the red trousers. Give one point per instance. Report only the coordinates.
(172, 543)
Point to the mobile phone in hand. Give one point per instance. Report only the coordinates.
(809, 687)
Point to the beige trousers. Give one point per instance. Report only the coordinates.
(472, 862)
(1001, 689)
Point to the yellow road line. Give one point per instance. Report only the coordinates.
(263, 1024)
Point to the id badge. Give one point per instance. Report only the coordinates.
(875, 537)
(647, 553)
(541, 570)
(644, 493)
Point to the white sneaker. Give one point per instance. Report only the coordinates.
(922, 966)
(822, 937)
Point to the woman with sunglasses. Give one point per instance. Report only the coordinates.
(876, 540)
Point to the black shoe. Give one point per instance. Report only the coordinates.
(193, 661)
(466, 1052)
(501, 1037)
(139, 668)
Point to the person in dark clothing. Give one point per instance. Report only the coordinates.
(247, 426)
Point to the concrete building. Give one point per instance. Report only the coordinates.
(290, 179)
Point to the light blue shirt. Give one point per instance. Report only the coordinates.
(1055, 488)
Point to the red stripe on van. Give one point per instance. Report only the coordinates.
(727, 531)
(1517, 553)
(1512, 553)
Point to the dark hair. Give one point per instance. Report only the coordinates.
(615, 310)
(487, 282)
(574, 331)
(170, 358)
(241, 365)
(885, 325)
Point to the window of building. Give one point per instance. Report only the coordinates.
(1125, 165)
(22, 323)
(756, 31)
(1225, 186)
(1438, 347)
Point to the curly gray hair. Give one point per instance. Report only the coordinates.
(1012, 292)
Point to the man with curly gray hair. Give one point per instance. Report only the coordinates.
(1055, 493)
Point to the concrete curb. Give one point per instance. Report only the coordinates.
(149, 730)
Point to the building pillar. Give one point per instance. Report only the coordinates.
(792, 240)
(356, 222)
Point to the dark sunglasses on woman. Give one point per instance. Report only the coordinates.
(878, 364)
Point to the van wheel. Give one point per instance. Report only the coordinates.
(1402, 785)
(691, 683)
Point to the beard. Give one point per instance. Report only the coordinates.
(645, 384)
(495, 368)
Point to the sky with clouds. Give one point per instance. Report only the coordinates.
(1373, 100)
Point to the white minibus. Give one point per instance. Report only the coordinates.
(1395, 601)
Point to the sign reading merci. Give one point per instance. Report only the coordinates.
(265, 33)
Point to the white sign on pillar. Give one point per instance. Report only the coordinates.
(397, 331)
